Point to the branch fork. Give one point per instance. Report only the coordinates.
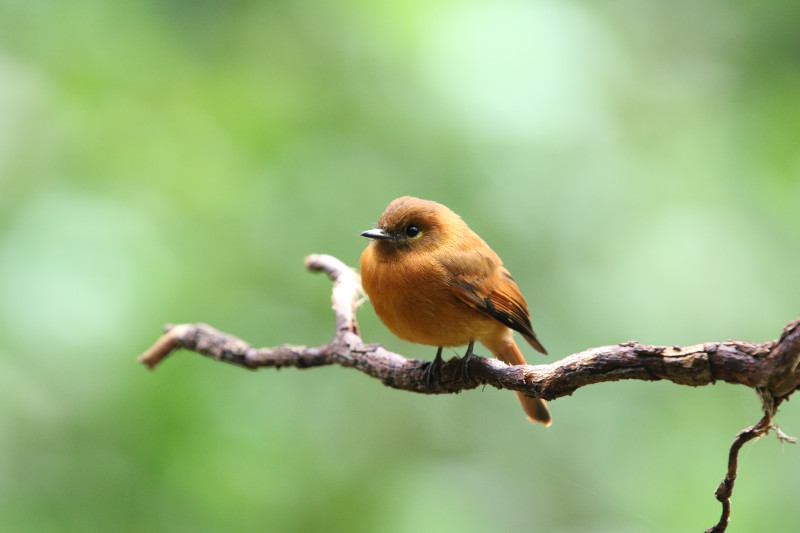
(770, 368)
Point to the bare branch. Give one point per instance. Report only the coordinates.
(771, 368)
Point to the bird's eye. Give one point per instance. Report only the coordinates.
(412, 231)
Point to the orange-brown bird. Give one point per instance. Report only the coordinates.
(434, 281)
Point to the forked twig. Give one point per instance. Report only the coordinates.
(770, 368)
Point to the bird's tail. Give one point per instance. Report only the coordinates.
(508, 352)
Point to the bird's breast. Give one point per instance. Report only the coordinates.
(412, 297)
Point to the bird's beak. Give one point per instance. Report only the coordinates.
(376, 233)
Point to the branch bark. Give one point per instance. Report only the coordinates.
(771, 368)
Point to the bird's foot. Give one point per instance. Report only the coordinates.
(432, 372)
(465, 373)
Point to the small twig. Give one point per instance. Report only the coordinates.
(725, 488)
(771, 368)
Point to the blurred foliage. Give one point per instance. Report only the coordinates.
(636, 164)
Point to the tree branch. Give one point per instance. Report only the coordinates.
(771, 368)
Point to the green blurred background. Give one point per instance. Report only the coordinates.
(635, 163)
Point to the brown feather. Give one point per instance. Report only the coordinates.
(496, 294)
(507, 351)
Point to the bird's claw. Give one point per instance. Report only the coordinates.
(465, 373)
(432, 373)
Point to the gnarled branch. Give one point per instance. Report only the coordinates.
(771, 368)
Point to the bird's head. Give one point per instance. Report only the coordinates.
(412, 224)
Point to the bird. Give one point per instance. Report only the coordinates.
(434, 281)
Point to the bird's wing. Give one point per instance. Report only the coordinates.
(482, 282)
